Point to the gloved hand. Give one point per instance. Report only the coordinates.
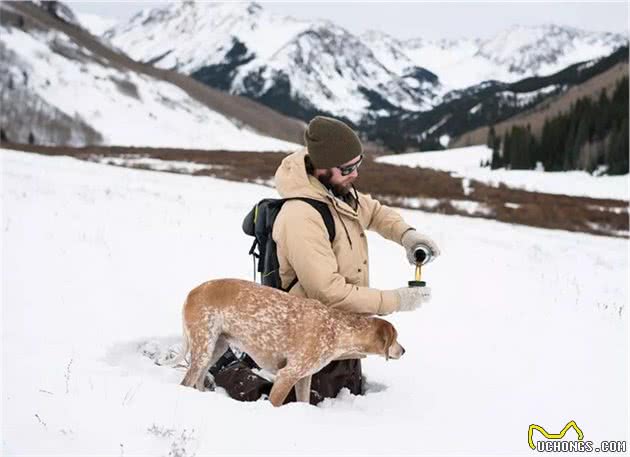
(412, 298)
(411, 240)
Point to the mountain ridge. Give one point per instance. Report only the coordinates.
(246, 112)
(306, 71)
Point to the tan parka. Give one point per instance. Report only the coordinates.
(336, 274)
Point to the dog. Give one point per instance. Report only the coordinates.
(289, 336)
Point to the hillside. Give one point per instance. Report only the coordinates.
(535, 116)
(80, 51)
(492, 102)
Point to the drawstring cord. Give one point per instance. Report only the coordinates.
(252, 252)
(345, 229)
(254, 263)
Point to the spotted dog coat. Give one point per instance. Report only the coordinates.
(290, 336)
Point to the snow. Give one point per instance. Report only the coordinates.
(327, 67)
(97, 25)
(436, 126)
(475, 108)
(193, 29)
(522, 98)
(512, 54)
(464, 162)
(526, 326)
(452, 61)
(128, 109)
(147, 163)
(471, 207)
(388, 51)
(330, 69)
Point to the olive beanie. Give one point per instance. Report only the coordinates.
(330, 142)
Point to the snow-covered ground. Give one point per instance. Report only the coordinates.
(465, 162)
(527, 326)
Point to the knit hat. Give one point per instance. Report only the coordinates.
(330, 142)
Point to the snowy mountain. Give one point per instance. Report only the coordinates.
(304, 67)
(542, 50)
(491, 102)
(297, 67)
(55, 90)
(512, 54)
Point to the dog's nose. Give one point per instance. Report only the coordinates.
(403, 351)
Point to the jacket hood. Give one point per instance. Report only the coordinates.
(292, 181)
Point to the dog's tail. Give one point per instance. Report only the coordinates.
(186, 347)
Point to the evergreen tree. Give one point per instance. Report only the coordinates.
(618, 150)
(496, 161)
(581, 138)
(506, 150)
(592, 132)
(491, 137)
(494, 143)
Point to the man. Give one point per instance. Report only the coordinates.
(335, 274)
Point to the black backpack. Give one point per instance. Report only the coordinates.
(259, 224)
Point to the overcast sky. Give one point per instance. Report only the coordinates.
(424, 20)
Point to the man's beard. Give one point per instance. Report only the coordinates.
(337, 189)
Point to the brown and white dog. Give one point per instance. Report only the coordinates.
(290, 336)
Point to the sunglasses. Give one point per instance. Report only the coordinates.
(345, 171)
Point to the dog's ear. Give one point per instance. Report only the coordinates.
(387, 336)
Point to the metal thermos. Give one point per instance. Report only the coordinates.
(422, 255)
